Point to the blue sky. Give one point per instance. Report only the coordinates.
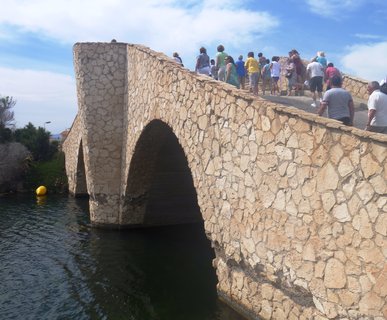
(36, 39)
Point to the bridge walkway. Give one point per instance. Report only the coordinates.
(304, 103)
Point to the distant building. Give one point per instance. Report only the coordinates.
(55, 137)
(64, 134)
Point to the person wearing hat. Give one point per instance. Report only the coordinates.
(321, 59)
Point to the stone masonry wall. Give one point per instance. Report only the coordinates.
(101, 76)
(70, 148)
(295, 205)
(357, 87)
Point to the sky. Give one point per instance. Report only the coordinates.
(37, 36)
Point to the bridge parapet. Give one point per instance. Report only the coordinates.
(356, 86)
(294, 204)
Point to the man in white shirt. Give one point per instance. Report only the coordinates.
(377, 109)
(315, 72)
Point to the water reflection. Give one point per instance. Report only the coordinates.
(41, 200)
(53, 265)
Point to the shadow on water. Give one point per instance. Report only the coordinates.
(53, 265)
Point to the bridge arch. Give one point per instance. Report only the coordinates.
(294, 204)
(159, 189)
(80, 183)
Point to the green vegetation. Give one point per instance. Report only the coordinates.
(37, 141)
(6, 115)
(6, 118)
(47, 162)
(49, 173)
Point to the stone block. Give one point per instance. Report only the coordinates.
(334, 275)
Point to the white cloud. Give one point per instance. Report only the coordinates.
(333, 8)
(162, 25)
(366, 60)
(368, 36)
(41, 96)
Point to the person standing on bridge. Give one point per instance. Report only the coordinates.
(300, 68)
(377, 109)
(315, 71)
(330, 72)
(321, 59)
(241, 71)
(252, 67)
(261, 61)
(177, 58)
(275, 69)
(291, 75)
(203, 62)
(339, 103)
(220, 63)
(231, 72)
(266, 77)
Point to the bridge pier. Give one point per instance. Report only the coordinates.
(101, 81)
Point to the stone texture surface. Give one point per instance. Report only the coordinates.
(295, 206)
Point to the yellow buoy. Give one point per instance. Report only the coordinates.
(41, 191)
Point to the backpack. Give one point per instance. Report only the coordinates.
(383, 88)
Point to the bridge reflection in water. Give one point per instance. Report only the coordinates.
(54, 266)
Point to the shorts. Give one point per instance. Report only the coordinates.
(274, 79)
(205, 70)
(253, 77)
(316, 83)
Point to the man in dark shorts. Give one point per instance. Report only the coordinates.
(339, 103)
(315, 72)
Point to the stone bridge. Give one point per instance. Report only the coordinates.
(295, 205)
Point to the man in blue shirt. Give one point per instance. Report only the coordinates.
(241, 71)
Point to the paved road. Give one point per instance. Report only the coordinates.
(304, 102)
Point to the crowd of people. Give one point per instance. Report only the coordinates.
(224, 68)
(336, 100)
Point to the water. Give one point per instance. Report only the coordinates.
(53, 265)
